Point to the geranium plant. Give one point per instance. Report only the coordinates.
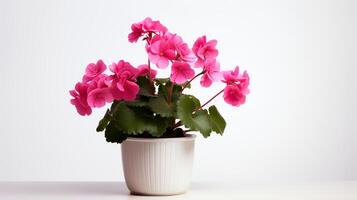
(143, 105)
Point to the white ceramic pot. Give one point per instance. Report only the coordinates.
(158, 166)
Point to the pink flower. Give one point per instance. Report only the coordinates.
(184, 53)
(145, 26)
(98, 82)
(99, 92)
(161, 50)
(94, 70)
(237, 86)
(128, 93)
(136, 33)
(144, 71)
(211, 73)
(233, 77)
(99, 96)
(169, 47)
(153, 26)
(79, 100)
(204, 50)
(122, 83)
(181, 72)
(244, 83)
(233, 95)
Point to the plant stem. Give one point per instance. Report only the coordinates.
(149, 67)
(209, 100)
(187, 83)
(151, 82)
(179, 123)
(148, 40)
(169, 94)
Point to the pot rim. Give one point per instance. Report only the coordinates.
(188, 137)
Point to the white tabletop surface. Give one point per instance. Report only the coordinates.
(117, 190)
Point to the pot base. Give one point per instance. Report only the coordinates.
(157, 194)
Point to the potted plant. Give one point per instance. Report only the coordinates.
(151, 116)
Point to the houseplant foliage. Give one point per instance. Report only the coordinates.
(143, 105)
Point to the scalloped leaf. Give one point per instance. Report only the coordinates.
(160, 106)
(146, 88)
(202, 122)
(163, 91)
(113, 134)
(185, 106)
(103, 123)
(217, 121)
(140, 102)
(176, 92)
(137, 121)
(198, 121)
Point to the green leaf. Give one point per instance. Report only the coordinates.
(136, 121)
(160, 106)
(199, 121)
(146, 88)
(176, 92)
(114, 106)
(185, 107)
(163, 91)
(104, 122)
(113, 134)
(196, 102)
(202, 122)
(218, 123)
(140, 102)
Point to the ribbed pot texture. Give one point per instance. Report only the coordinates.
(158, 166)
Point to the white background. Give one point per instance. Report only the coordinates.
(299, 122)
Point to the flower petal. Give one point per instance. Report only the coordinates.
(181, 72)
(233, 96)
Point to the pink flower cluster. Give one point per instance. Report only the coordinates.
(237, 87)
(97, 89)
(163, 49)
